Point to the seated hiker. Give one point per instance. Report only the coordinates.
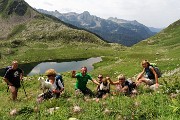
(12, 77)
(148, 75)
(100, 79)
(104, 89)
(123, 85)
(82, 79)
(57, 86)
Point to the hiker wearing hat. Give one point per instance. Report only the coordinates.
(123, 85)
(57, 85)
(82, 79)
(12, 77)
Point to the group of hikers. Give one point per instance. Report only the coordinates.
(149, 76)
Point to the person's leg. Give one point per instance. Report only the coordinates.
(143, 80)
(89, 92)
(99, 94)
(78, 92)
(13, 91)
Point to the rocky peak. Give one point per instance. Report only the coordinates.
(85, 16)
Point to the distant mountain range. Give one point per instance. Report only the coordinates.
(112, 29)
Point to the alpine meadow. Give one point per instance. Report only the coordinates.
(31, 37)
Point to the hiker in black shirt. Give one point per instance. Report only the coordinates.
(12, 77)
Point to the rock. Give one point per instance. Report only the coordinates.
(51, 110)
(137, 104)
(107, 111)
(173, 95)
(157, 53)
(72, 119)
(36, 109)
(153, 87)
(13, 112)
(76, 109)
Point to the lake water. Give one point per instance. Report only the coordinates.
(64, 66)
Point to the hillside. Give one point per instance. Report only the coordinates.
(23, 28)
(113, 30)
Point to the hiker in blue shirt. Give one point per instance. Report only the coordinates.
(148, 75)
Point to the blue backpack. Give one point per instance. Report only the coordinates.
(57, 78)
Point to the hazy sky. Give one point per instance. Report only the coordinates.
(153, 13)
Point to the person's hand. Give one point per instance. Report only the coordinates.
(55, 91)
(156, 85)
(73, 72)
(10, 84)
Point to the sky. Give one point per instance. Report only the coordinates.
(152, 13)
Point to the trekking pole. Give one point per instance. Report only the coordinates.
(23, 88)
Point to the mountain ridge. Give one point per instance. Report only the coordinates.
(16, 15)
(128, 33)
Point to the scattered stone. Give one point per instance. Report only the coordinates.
(51, 110)
(153, 87)
(72, 119)
(177, 91)
(14, 112)
(173, 95)
(107, 111)
(36, 109)
(104, 103)
(137, 104)
(157, 53)
(76, 109)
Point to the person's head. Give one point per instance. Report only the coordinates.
(105, 81)
(121, 78)
(50, 73)
(100, 77)
(84, 70)
(14, 65)
(145, 63)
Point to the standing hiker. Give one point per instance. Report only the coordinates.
(12, 77)
(82, 79)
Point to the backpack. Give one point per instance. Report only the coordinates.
(57, 78)
(157, 70)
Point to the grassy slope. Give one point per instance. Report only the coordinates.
(33, 44)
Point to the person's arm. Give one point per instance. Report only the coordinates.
(7, 81)
(61, 86)
(6, 78)
(73, 74)
(95, 81)
(155, 75)
(140, 75)
(125, 89)
(21, 75)
(111, 82)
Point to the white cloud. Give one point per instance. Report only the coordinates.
(156, 13)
